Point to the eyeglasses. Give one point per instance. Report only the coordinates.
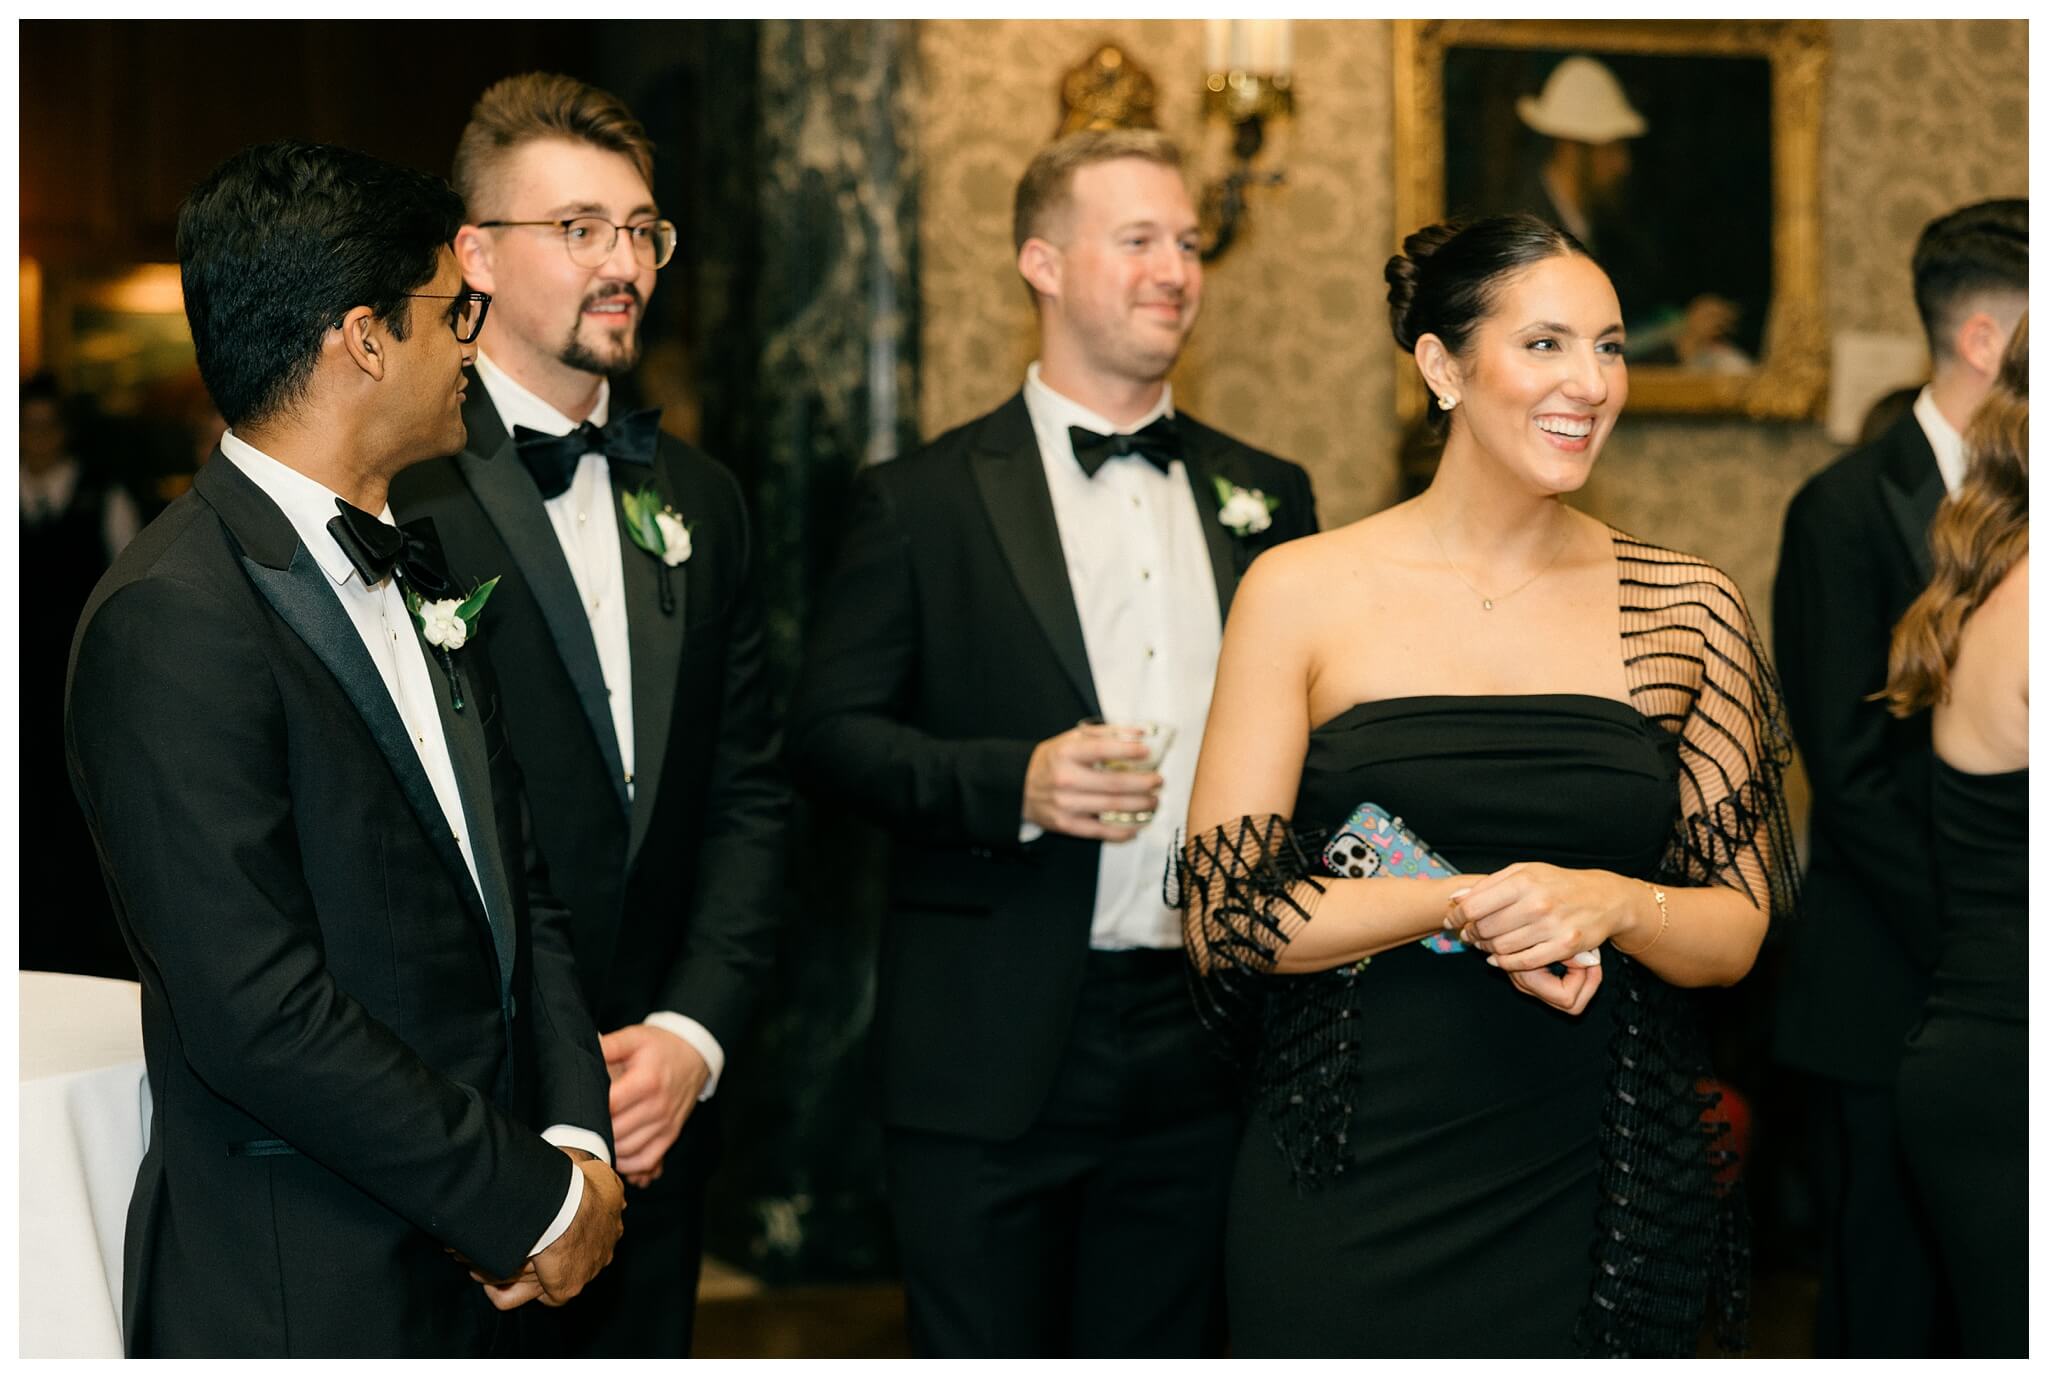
(590, 239)
(466, 315)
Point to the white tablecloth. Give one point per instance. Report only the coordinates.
(84, 1124)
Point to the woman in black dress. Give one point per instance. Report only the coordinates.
(1490, 1151)
(1962, 1092)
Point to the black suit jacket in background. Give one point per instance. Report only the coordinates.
(674, 897)
(349, 1049)
(1855, 555)
(945, 646)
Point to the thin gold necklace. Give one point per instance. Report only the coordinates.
(1486, 603)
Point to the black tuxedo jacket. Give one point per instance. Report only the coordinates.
(1855, 555)
(349, 1048)
(674, 895)
(945, 646)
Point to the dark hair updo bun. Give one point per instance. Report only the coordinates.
(1447, 276)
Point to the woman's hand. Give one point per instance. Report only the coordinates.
(1531, 914)
(1571, 992)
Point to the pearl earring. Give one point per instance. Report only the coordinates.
(1446, 401)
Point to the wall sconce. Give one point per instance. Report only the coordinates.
(1250, 81)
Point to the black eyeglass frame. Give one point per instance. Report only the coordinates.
(483, 309)
(644, 227)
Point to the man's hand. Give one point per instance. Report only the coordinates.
(656, 1080)
(1065, 789)
(565, 1267)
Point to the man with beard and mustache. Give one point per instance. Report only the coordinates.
(632, 639)
(1059, 1134)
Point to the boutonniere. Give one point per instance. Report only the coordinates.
(447, 624)
(659, 530)
(1246, 511)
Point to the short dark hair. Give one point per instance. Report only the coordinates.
(1978, 248)
(1447, 277)
(542, 105)
(282, 240)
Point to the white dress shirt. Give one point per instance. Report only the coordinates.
(1139, 569)
(1945, 440)
(586, 525)
(385, 626)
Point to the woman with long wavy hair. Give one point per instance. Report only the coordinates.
(1961, 650)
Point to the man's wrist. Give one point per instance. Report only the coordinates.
(698, 1037)
(571, 1203)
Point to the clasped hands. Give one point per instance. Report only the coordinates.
(1531, 915)
(565, 1267)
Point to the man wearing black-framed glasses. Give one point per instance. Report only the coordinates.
(368, 1095)
(649, 756)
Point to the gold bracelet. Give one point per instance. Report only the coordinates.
(1664, 912)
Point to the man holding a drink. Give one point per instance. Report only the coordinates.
(1009, 669)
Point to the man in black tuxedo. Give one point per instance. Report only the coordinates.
(1855, 555)
(354, 1015)
(1059, 1134)
(631, 662)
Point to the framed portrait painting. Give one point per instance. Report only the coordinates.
(1683, 153)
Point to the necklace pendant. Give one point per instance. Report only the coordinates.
(1486, 603)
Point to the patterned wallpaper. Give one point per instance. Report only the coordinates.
(1292, 352)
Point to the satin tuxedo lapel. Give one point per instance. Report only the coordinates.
(288, 577)
(506, 492)
(656, 638)
(470, 756)
(1011, 477)
(1912, 489)
(1203, 461)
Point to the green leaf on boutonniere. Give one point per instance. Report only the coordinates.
(472, 607)
(639, 508)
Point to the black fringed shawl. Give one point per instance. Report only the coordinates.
(1671, 1244)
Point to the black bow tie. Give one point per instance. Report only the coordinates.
(1158, 443)
(376, 548)
(552, 459)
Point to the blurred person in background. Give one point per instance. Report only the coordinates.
(72, 527)
(1856, 971)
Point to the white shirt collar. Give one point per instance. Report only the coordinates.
(1058, 411)
(307, 503)
(1945, 440)
(519, 406)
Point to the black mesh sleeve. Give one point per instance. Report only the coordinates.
(1696, 666)
(1672, 1251)
(1244, 890)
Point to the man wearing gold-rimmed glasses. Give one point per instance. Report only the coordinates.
(650, 762)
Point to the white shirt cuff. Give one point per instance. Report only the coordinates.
(1029, 832)
(698, 1037)
(566, 1214)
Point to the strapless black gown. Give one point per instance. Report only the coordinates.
(1463, 1222)
(1963, 1081)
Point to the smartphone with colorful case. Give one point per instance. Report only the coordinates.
(1373, 842)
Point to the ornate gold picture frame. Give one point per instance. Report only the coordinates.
(1712, 231)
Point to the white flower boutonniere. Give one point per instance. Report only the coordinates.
(447, 624)
(675, 537)
(1246, 511)
(659, 530)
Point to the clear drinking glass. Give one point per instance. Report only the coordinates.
(1156, 736)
